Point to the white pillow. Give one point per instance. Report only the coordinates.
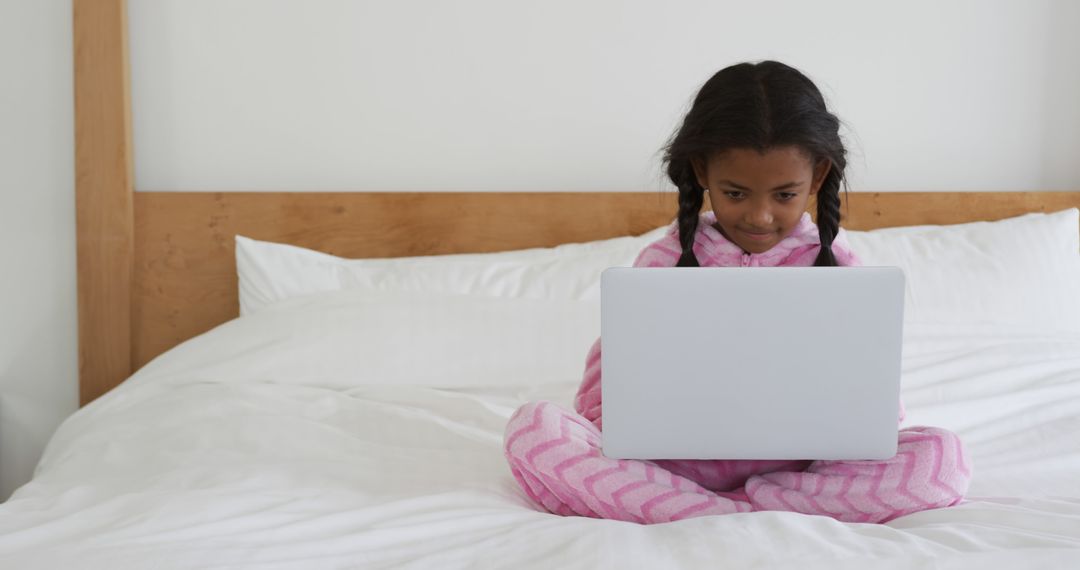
(340, 339)
(1022, 272)
(269, 272)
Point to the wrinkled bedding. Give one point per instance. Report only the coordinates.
(198, 462)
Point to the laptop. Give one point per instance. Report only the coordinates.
(751, 362)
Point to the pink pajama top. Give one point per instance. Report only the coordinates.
(799, 249)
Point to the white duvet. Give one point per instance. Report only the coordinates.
(280, 441)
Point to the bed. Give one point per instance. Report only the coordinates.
(356, 422)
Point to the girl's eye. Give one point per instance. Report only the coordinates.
(782, 196)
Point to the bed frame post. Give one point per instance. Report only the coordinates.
(103, 194)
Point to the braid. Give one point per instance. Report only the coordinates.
(828, 218)
(691, 198)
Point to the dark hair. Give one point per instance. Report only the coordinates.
(756, 106)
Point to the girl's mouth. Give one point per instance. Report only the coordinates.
(756, 236)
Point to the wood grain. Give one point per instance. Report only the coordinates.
(185, 274)
(872, 210)
(103, 195)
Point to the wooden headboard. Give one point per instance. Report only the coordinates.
(156, 268)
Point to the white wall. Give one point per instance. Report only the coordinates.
(570, 95)
(489, 95)
(38, 357)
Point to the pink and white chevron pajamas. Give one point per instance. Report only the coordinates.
(554, 453)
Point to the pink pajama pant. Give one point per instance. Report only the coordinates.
(554, 454)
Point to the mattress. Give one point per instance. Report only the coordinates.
(244, 448)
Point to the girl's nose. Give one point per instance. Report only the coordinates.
(760, 217)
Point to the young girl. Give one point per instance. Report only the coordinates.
(760, 142)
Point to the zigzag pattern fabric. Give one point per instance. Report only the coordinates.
(555, 456)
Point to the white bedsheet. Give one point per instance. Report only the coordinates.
(180, 468)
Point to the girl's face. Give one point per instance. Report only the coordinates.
(759, 197)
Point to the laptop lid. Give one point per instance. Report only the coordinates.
(751, 363)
